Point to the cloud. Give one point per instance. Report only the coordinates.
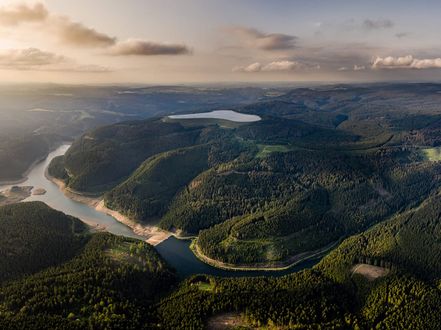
(354, 68)
(254, 67)
(146, 48)
(79, 35)
(38, 60)
(283, 66)
(27, 58)
(266, 41)
(276, 66)
(68, 31)
(359, 67)
(379, 24)
(405, 62)
(23, 13)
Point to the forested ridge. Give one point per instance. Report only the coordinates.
(111, 282)
(298, 201)
(34, 236)
(257, 193)
(101, 159)
(331, 295)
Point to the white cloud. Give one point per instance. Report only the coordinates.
(30, 57)
(405, 62)
(282, 66)
(37, 60)
(267, 41)
(359, 67)
(276, 66)
(80, 35)
(254, 67)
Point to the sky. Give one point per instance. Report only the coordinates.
(209, 41)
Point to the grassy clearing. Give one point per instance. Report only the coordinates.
(370, 272)
(228, 321)
(267, 149)
(205, 286)
(120, 252)
(432, 154)
(130, 253)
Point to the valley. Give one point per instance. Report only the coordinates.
(93, 213)
(259, 195)
(331, 219)
(220, 165)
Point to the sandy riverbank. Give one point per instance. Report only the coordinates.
(15, 194)
(153, 235)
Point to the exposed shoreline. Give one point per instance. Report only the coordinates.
(153, 234)
(277, 266)
(15, 194)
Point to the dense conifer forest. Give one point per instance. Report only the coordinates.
(104, 282)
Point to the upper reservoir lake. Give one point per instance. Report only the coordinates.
(220, 114)
(176, 252)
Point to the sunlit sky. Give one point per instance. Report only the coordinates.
(178, 41)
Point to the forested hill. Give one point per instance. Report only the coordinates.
(18, 152)
(112, 282)
(388, 277)
(410, 241)
(101, 158)
(322, 164)
(59, 276)
(34, 236)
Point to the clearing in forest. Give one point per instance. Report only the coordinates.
(370, 272)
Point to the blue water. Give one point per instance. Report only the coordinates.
(179, 255)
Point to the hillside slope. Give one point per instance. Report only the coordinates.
(149, 190)
(268, 210)
(407, 247)
(102, 158)
(34, 236)
(107, 282)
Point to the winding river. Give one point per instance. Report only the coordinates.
(176, 252)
